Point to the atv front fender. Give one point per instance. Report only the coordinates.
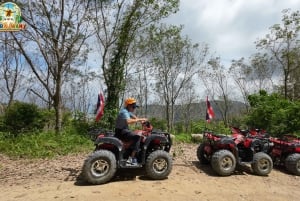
(156, 138)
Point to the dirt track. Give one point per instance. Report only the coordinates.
(59, 179)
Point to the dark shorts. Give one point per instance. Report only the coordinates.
(126, 134)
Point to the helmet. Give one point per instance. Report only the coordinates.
(129, 101)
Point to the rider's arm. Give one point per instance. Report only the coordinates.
(135, 120)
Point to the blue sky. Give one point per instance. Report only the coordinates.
(230, 27)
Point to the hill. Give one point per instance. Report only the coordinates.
(197, 111)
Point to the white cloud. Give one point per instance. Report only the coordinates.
(230, 27)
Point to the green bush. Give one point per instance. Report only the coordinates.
(80, 124)
(273, 113)
(108, 119)
(158, 124)
(24, 117)
(214, 126)
(183, 137)
(179, 127)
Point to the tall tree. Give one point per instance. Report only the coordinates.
(56, 33)
(263, 71)
(283, 44)
(78, 93)
(215, 79)
(138, 84)
(253, 76)
(176, 60)
(117, 24)
(12, 69)
(241, 74)
(187, 97)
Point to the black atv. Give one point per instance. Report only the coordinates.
(111, 153)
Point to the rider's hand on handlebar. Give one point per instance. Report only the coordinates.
(142, 120)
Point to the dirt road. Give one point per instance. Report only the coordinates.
(59, 179)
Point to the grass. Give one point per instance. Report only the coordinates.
(50, 145)
(44, 145)
(183, 137)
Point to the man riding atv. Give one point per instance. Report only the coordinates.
(147, 149)
(122, 131)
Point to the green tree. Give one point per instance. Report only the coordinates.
(11, 71)
(56, 36)
(283, 45)
(117, 24)
(176, 61)
(217, 84)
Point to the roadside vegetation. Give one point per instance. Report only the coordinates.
(27, 131)
(49, 76)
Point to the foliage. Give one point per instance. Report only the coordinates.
(274, 113)
(178, 127)
(56, 34)
(126, 20)
(176, 62)
(283, 45)
(24, 117)
(109, 116)
(200, 126)
(215, 126)
(159, 124)
(183, 137)
(80, 124)
(44, 145)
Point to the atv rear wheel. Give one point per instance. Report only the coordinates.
(201, 155)
(158, 165)
(223, 162)
(99, 167)
(262, 164)
(292, 163)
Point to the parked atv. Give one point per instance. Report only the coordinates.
(255, 132)
(111, 153)
(225, 152)
(286, 151)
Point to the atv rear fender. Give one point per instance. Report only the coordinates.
(159, 139)
(109, 140)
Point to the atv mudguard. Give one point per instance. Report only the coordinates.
(162, 139)
(110, 140)
(226, 140)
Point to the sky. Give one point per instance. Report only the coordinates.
(230, 27)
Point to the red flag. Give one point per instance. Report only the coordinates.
(209, 112)
(100, 107)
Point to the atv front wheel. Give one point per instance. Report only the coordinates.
(201, 155)
(158, 165)
(223, 162)
(292, 163)
(262, 164)
(99, 167)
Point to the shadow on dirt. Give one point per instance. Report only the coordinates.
(73, 173)
(207, 169)
(282, 169)
(129, 174)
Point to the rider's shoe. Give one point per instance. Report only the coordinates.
(132, 161)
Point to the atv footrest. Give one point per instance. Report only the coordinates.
(123, 164)
(243, 163)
